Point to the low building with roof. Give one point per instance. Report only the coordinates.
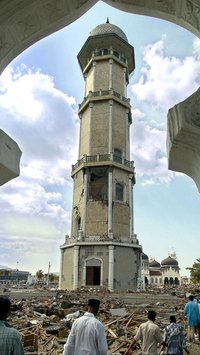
(8, 275)
(5, 273)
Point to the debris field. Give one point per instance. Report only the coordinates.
(44, 320)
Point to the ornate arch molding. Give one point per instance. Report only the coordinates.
(185, 13)
(25, 22)
(183, 137)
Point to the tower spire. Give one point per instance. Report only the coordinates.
(107, 21)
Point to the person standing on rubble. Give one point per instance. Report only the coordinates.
(191, 311)
(174, 338)
(10, 342)
(87, 335)
(149, 335)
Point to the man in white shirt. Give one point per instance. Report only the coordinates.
(87, 336)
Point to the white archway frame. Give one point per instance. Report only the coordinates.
(25, 22)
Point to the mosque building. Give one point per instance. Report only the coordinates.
(159, 274)
(103, 250)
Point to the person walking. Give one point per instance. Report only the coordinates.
(10, 341)
(191, 311)
(87, 335)
(149, 335)
(174, 338)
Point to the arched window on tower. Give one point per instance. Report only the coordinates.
(117, 155)
(79, 223)
(116, 54)
(119, 193)
(105, 51)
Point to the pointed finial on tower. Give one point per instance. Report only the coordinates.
(107, 20)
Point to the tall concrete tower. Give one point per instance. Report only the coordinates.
(103, 249)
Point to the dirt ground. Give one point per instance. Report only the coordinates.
(194, 348)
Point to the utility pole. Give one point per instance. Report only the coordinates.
(17, 276)
(48, 273)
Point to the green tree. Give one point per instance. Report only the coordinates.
(195, 272)
(39, 274)
(53, 277)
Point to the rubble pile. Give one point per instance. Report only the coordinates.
(44, 321)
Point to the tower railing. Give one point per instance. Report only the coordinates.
(100, 93)
(105, 52)
(103, 158)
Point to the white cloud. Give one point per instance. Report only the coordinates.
(163, 81)
(196, 47)
(148, 149)
(44, 123)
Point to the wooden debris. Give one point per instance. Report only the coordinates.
(42, 319)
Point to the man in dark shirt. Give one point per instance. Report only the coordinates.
(10, 342)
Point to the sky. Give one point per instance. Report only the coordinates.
(40, 91)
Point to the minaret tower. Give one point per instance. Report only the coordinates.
(103, 249)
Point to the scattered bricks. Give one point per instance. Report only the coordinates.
(63, 332)
(54, 318)
(30, 340)
(65, 304)
(54, 329)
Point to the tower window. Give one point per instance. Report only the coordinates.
(116, 54)
(117, 155)
(98, 185)
(79, 223)
(119, 192)
(105, 51)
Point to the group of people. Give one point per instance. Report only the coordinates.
(87, 334)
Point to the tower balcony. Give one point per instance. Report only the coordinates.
(104, 95)
(103, 159)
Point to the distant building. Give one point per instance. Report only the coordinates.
(18, 276)
(8, 275)
(5, 273)
(159, 274)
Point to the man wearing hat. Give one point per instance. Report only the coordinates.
(87, 336)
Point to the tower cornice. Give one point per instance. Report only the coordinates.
(107, 243)
(102, 160)
(104, 95)
(109, 57)
(99, 42)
